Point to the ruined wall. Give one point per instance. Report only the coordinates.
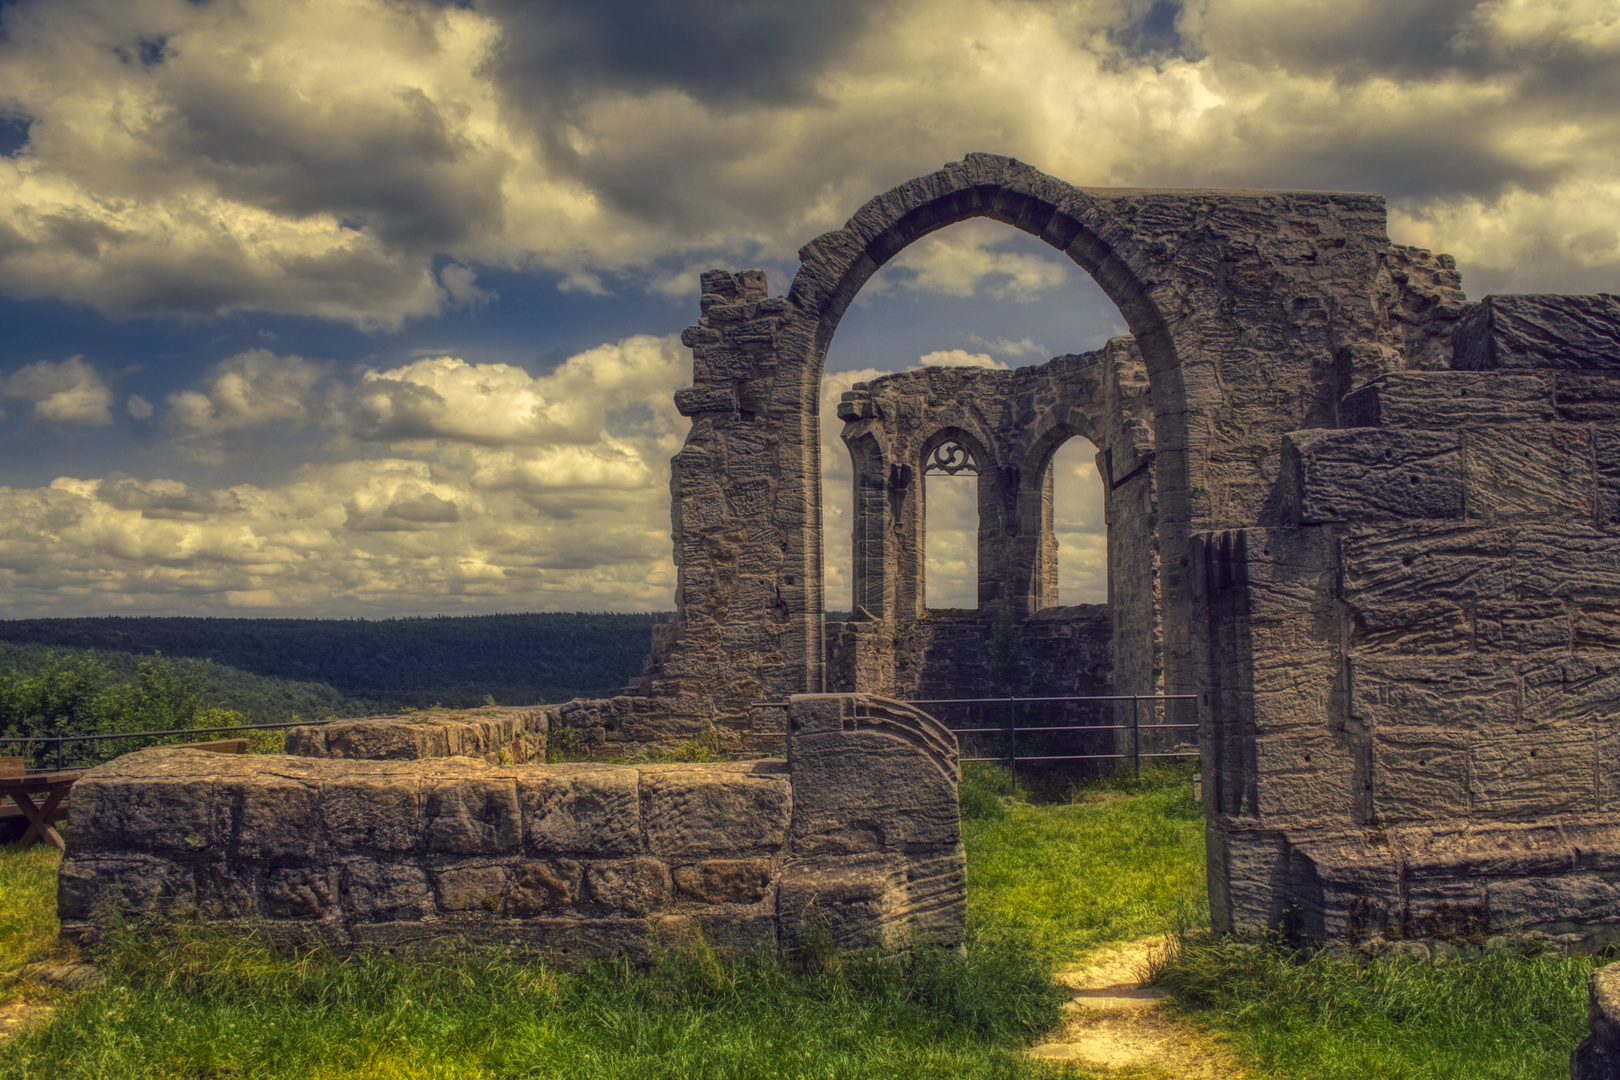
(1385, 525)
(858, 827)
(1018, 641)
(1445, 597)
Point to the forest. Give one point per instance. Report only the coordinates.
(96, 676)
(344, 665)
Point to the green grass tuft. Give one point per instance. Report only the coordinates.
(28, 924)
(1339, 1015)
(190, 1003)
(1123, 860)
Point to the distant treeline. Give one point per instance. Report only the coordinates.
(267, 668)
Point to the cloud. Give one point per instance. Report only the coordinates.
(502, 405)
(69, 392)
(966, 261)
(1006, 347)
(488, 489)
(201, 159)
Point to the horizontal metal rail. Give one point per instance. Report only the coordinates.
(1011, 729)
(1075, 727)
(58, 741)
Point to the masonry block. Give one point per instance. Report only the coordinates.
(1534, 331)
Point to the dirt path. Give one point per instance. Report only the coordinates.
(1115, 1026)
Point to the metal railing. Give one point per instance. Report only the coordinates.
(59, 740)
(1011, 729)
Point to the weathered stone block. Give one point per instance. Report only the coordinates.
(724, 881)
(143, 813)
(860, 901)
(297, 892)
(1515, 472)
(1419, 773)
(384, 892)
(1433, 628)
(373, 813)
(1464, 693)
(470, 888)
(1569, 897)
(1527, 626)
(143, 885)
(583, 810)
(634, 886)
(1362, 473)
(540, 887)
(1528, 775)
(1385, 566)
(870, 775)
(715, 811)
(1598, 1055)
(273, 818)
(1539, 331)
(1567, 560)
(1439, 400)
(473, 816)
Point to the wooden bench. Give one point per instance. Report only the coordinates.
(18, 791)
(22, 789)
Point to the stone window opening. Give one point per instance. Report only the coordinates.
(951, 533)
(1074, 527)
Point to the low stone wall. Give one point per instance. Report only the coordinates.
(583, 728)
(498, 736)
(1555, 883)
(1598, 1055)
(857, 828)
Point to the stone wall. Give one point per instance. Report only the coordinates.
(857, 827)
(1385, 524)
(1418, 689)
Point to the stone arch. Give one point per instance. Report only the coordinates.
(1264, 320)
(1086, 226)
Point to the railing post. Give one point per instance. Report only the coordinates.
(1012, 743)
(59, 753)
(1136, 738)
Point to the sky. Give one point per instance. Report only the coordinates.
(371, 307)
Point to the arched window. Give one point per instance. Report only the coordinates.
(1079, 525)
(951, 526)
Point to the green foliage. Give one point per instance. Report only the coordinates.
(984, 785)
(383, 663)
(189, 1002)
(28, 925)
(1336, 1014)
(65, 697)
(1124, 859)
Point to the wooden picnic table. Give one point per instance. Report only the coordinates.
(22, 789)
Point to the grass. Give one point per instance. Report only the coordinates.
(191, 1003)
(1117, 860)
(28, 912)
(1332, 1016)
(1123, 859)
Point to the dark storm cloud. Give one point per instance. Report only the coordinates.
(722, 52)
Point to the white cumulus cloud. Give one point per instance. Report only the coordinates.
(69, 392)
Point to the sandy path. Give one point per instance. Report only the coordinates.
(1116, 1028)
